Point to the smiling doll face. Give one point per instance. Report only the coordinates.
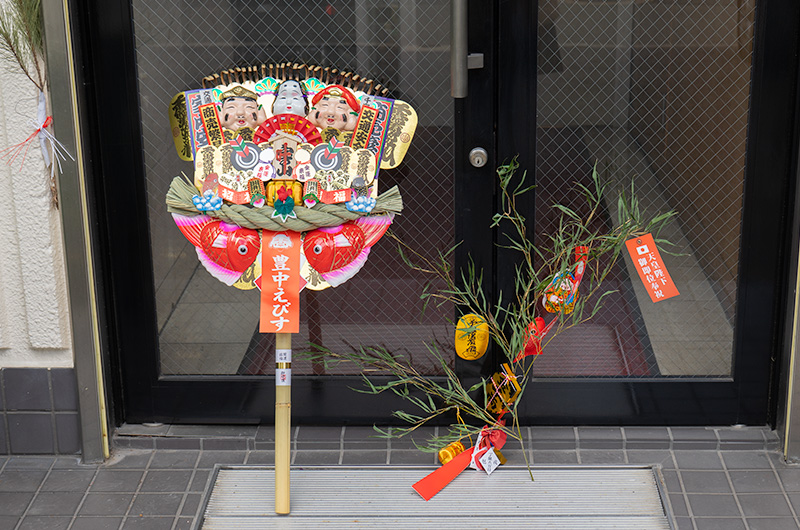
(335, 107)
(238, 112)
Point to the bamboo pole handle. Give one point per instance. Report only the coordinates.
(283, 413)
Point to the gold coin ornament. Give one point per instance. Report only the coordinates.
(449, 452)
(472, 337)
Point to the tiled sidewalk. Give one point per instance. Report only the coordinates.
(716, 478)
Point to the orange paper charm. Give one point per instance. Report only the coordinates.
(652, 272)
(280, 282)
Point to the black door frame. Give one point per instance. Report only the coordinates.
(105, 40)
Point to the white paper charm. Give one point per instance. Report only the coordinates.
(283, 377)
(283, 356)
(489, 461)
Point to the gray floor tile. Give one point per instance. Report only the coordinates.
(544, 456)
(14, 502)
(184, 523)
(39, 522)
(600, 437)
(225, 444)
(399, 457)
(515, 457)
(199, 480)
(790, 478)
(261, 458)
(166, 481)
(698, 460)
(148, 523)
(743, 434)
(319, 434)
(365, 457)
(72, 462)
(317, 458)
(692, 434)
(96, 523)
(318, 446)
(646, 433)
(746, 459)
(119, 480)
(8, 522)
(55, 503)
(794, 499)
(68, 480)
(705, 482)
(179, 443)
(561, 434)
(208, 459)
(754, 481)
(671, 480)
(30, 462)
(741, 446)
(191, 504)
(698, 445)
(600, 456)
(129, 459)
(661, 457)
(684, 523)
(106, 504)
(19, 480)
(174, 459)
(419, 437)
(363, 438)
(774, 523)
(209, 431)
(648, 444)
(678, 504)
(265, 433)
(713, 505)
(719, 523)
(134, 442)
(764, 504)
(156, 504)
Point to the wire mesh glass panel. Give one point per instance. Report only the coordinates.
(206, 327)
(656, 93)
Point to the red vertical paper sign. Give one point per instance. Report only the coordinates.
(652, 272)
(280, 282)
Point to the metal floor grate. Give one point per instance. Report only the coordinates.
(562, 497)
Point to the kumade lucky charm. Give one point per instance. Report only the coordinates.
(285, 192)
(292, 153)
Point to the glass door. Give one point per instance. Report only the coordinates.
(664, 94)
(204, 359)
(660, 95)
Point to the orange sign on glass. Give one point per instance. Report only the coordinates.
(651, 269)
(280, 282)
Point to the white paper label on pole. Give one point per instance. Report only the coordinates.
(283, 356)
(283, 377)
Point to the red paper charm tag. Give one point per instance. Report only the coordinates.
(651, 269)
(280, 282)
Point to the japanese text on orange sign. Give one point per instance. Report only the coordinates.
(280, 282)
(651, 269)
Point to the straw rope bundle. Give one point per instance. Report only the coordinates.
(179, 200)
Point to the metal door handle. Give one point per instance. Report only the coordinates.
(458, 48)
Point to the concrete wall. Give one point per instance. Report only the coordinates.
(34, 319)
